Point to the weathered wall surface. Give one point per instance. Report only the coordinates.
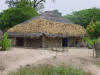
(74, 42)
(13, 41)
(45, 42)
(33, 42)
(53, 42)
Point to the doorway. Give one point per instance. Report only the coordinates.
(20, 42)
(65, 42)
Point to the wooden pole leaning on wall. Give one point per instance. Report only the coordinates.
(43, 42)
(56, 50)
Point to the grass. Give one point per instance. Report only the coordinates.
(49, 70)
(54, 57)
(97, 63)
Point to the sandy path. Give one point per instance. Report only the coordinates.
(13, 59)
(95, 70)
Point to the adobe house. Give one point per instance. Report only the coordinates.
(47, 30)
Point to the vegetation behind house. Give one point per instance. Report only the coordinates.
(83, 17)
(15, 15)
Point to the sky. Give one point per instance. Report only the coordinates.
(64, 6)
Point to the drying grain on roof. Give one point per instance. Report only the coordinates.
(50, 27)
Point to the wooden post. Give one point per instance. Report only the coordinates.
(56, 50)
(14, 41)
(61, 42)
(43, 42)
(94, 50)
(24, 42)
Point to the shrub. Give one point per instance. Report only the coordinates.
(49, 70)
(5, 42)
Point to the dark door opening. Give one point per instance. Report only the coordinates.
(19, 42)
(65, 42)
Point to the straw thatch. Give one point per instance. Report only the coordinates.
(51, 16)
(41, 27)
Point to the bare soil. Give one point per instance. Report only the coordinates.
(79, 57)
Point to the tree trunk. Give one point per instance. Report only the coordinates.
(94, 50)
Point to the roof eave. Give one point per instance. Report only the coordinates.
(34, 35)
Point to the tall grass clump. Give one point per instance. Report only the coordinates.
(49, 70)
(5, 42)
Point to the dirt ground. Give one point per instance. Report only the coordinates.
(79, 57)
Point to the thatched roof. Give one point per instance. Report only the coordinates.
(41, 27)
(51, 16)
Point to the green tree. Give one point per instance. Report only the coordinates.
(37, 4)
(57, 11)
(93, 29)
(83, 17)
(12, 16)
(23, 4)
(5, 42)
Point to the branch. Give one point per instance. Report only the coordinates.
(37, 3)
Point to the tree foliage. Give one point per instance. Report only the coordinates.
(15, 15)
(57, 11)
(83, 17)
(93, 29)
(90, 41)
(37, 4)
